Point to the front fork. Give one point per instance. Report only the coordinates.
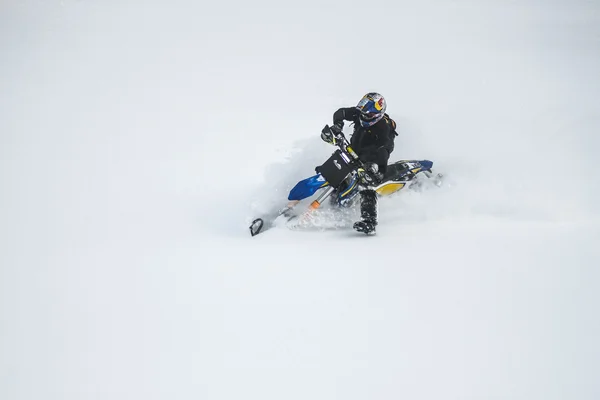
(286, 211)
(317, 203)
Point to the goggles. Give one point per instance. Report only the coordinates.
(368, 116)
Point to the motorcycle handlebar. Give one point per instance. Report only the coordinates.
(343, 144)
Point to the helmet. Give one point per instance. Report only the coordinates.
(372, 108)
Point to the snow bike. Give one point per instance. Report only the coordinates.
(339, 180)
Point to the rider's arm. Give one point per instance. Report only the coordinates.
(345, 114)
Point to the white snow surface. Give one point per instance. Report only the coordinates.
(139, 138)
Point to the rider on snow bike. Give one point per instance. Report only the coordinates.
(373, 141)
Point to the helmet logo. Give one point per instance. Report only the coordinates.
(379, 104)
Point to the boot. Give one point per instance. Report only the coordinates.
(368, 212)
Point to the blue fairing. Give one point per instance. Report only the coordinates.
(307, 187)
(426, 164)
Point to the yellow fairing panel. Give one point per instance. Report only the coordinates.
(389, 188)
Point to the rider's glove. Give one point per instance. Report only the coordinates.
(337, 127)
(333, 134)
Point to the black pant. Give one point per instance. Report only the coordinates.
(368, 206)
(379, 156)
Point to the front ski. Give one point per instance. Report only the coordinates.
(285, 215)
(257, 226)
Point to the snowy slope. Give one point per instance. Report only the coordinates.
(137, 139)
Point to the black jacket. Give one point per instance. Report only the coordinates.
(372, 144)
